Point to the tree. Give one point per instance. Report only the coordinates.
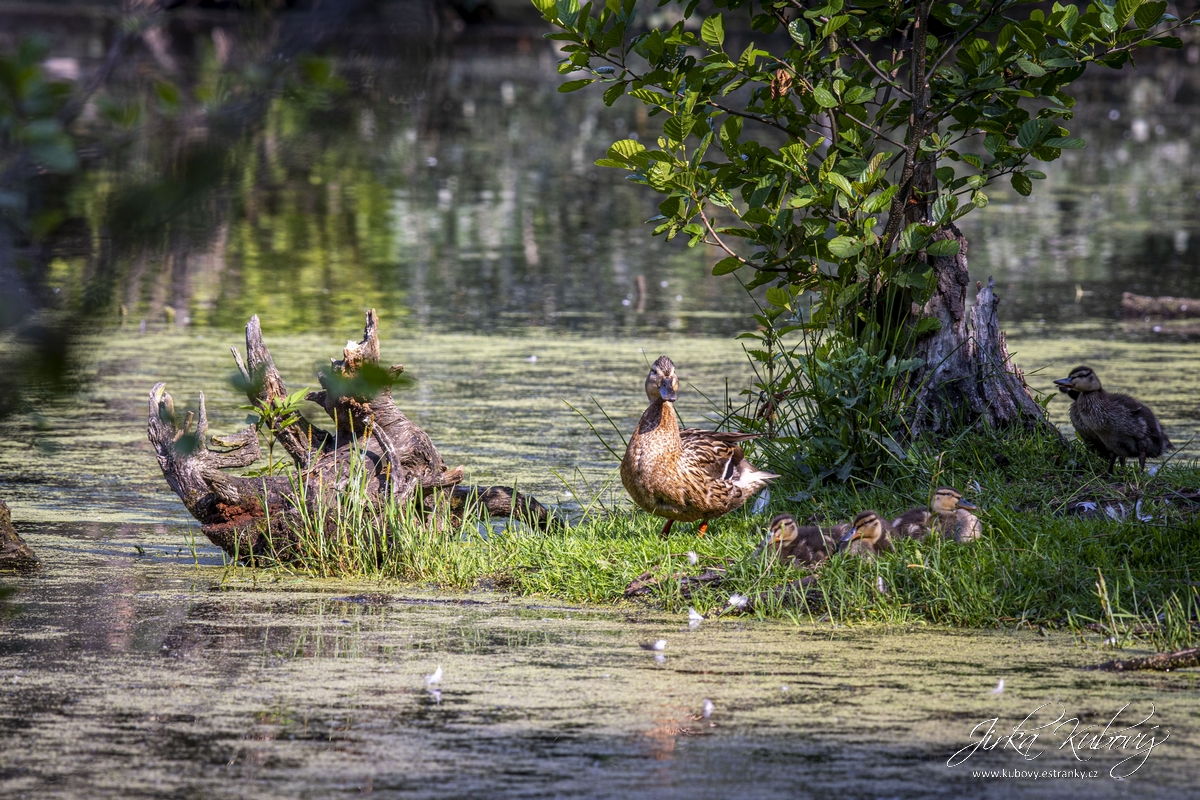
(836, 158)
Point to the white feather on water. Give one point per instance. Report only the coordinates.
(435, 677)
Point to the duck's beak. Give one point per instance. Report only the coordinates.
(850, 537)
(1063, 384)
(964, 504)
(667, 393)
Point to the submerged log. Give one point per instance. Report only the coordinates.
(248, 516)
(14, 553)
(1138, 305)
(968, 377)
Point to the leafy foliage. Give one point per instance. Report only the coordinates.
(841, 153)
(833, 161)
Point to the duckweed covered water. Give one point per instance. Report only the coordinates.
(124, 676)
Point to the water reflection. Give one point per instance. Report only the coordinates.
(453, 185)
(223, 682)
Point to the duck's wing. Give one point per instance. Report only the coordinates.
(1142, 417)
(717, 456)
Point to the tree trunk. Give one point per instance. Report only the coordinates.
(14, 553)
(237, 513)
(968, 377)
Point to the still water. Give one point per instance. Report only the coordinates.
(451, 187)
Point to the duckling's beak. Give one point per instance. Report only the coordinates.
(1063, 384)
(667, 393)
(964, 504)
(850, 537)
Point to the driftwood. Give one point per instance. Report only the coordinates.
(1180, 659)
(1139, 305)
(403, 462)
(14, 553)
(968, 376)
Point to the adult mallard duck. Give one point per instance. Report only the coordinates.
(685, 475)
(802, 545)
(870, 536)
(949, 514)
(1113, 425)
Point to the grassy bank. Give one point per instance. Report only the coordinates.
(1042, 561)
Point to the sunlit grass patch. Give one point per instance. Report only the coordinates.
(1124, 579)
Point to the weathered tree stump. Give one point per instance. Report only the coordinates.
(249, 516)
(967, 377)
(14, 553)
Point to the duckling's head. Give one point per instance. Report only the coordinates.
(661, 383)
(868, 527)
(1081, 380)
(947, 501)
(783, 530)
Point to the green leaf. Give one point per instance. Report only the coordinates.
(824, 97)
(779, 296)
(841, 183)
(845, 247)
(800, 32)
(726, 266)
(1030, 68)
(625, 149)
(612, 93)
(574, 86)
(1149, 14)
(1171, 42)
(712, 32)
(678, 128)
(880, 200)
(1022, 184)
(943, 248)
(1030, 133)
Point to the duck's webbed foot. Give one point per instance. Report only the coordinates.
(666, 528)
(703, 529)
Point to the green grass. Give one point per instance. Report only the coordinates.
(1124, 580)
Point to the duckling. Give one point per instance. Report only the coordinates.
(1113, 425)
(870, 536)
(949, 514)
(685, 475)
(803, 545)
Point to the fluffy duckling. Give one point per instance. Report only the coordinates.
(803, 545)
(949, 514)
(685, 475)
(870, 536)
(1113, 425)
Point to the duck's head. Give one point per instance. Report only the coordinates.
(867, 527)
(1081, 380)
(783, 530)
(947, 501)
(661, 383)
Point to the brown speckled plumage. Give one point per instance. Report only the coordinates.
(802, 545)
(685, 475)
(1116, 426)
(948, 515)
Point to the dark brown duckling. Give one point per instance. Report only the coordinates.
(870, 537)
(1116, 426)
(802, 545)
(949, 514)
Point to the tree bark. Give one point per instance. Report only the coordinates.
(14, 553)
(250, 516)
(968, 377)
